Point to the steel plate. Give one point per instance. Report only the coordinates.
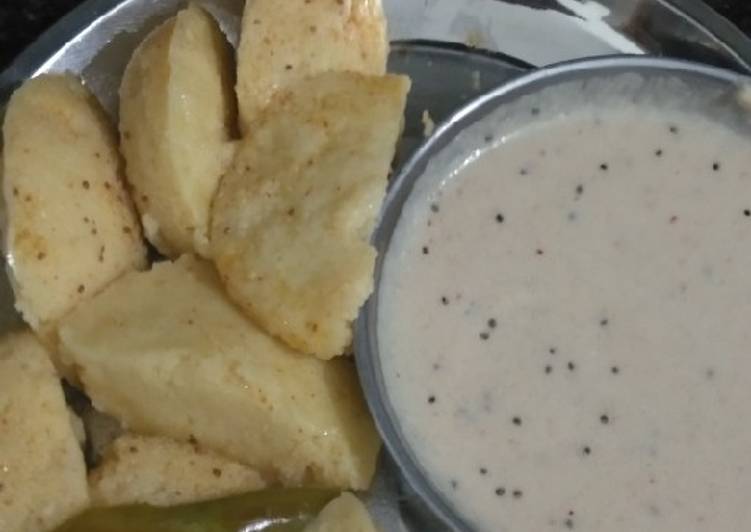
(452, 49)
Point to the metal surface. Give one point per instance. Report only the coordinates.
(453, 50)
(718, 89)
(444, 77)
(96, 39)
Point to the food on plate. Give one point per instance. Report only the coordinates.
(271, 510)
(176, 108)
(164, 472)
(292, 218)
(580, 309)
(428, 125)
(70, 226)
(190, 391)
(42, 471)
(344, 514)
(281, 43)
(168, 354)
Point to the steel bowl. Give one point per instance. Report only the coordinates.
(716, 94)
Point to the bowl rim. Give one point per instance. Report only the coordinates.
(366, 328)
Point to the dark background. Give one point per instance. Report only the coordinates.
(21, 21)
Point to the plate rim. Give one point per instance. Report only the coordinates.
(49, 42)
(720, 27)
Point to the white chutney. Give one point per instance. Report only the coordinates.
(565, 324)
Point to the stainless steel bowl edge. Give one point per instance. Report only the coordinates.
(366, 333)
